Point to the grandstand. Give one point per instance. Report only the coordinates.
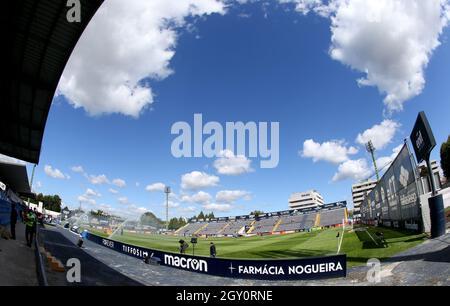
(332, 217)
(191, 229)
(264, 225)
(297, 222)
(289, 221)
(236, 226)
(212, 228)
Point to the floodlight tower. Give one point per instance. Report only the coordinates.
(167, 192)
(371, 149)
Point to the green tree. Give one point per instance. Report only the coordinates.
(181, 222)
(201, 215)
(176, 223)
(150, 219)
(256, 213)
(50, 202)
(445, 158)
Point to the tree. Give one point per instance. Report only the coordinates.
(256, 213)
(201, 215)
(423, 171)
(50, 202)
(445, 158)
(98, 213)
(150, 219)
(175, 223)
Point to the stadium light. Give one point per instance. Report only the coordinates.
(371, 149)
(167, 191)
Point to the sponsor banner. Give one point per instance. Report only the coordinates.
(270, 269)
(395, 198)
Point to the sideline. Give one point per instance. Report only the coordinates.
(342, 237)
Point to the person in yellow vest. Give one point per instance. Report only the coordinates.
(30, 223)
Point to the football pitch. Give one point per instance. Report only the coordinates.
(359, 244)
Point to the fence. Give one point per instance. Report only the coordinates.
(395, 200)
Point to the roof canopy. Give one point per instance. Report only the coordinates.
(15, 176)
(37, 41)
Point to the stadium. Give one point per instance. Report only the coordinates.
(400, 228)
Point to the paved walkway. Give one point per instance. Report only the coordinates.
(62, 244)
(17, 261)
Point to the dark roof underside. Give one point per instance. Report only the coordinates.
(15, 176)
(37, 41)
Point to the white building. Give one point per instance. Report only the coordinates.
(307, 199)
(40, 209)
(425, 180)
(359, 191)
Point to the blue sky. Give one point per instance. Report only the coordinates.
(258, 61)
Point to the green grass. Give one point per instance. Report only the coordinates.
(358, 245)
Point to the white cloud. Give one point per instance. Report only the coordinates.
(188, 209)
(131, 211)
(55, 173)
(119, 183)
(155, 187)
(113, 191)
(353, 169)
(125, 42)
(123, 200)
(389, 41)
(87, 197)
(200, 197)
(172, 204)
(37, 186)
(380, 134)
(92, 193)
(87, 200)
(230, 164)
(384, 161)
(305, 6)
(230, 196)
(333, 151)
(217, 207)
(78, 169)
(197, 180)
(98, 179)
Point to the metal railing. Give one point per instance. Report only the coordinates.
(40, 267)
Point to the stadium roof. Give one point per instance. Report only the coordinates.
(37, 41)
(15, 176)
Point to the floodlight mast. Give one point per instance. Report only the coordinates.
(371, 149)
(167, 192)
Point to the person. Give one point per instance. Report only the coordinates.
(212, 250)
(183, 246)
(13, 220)
(30, 223)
